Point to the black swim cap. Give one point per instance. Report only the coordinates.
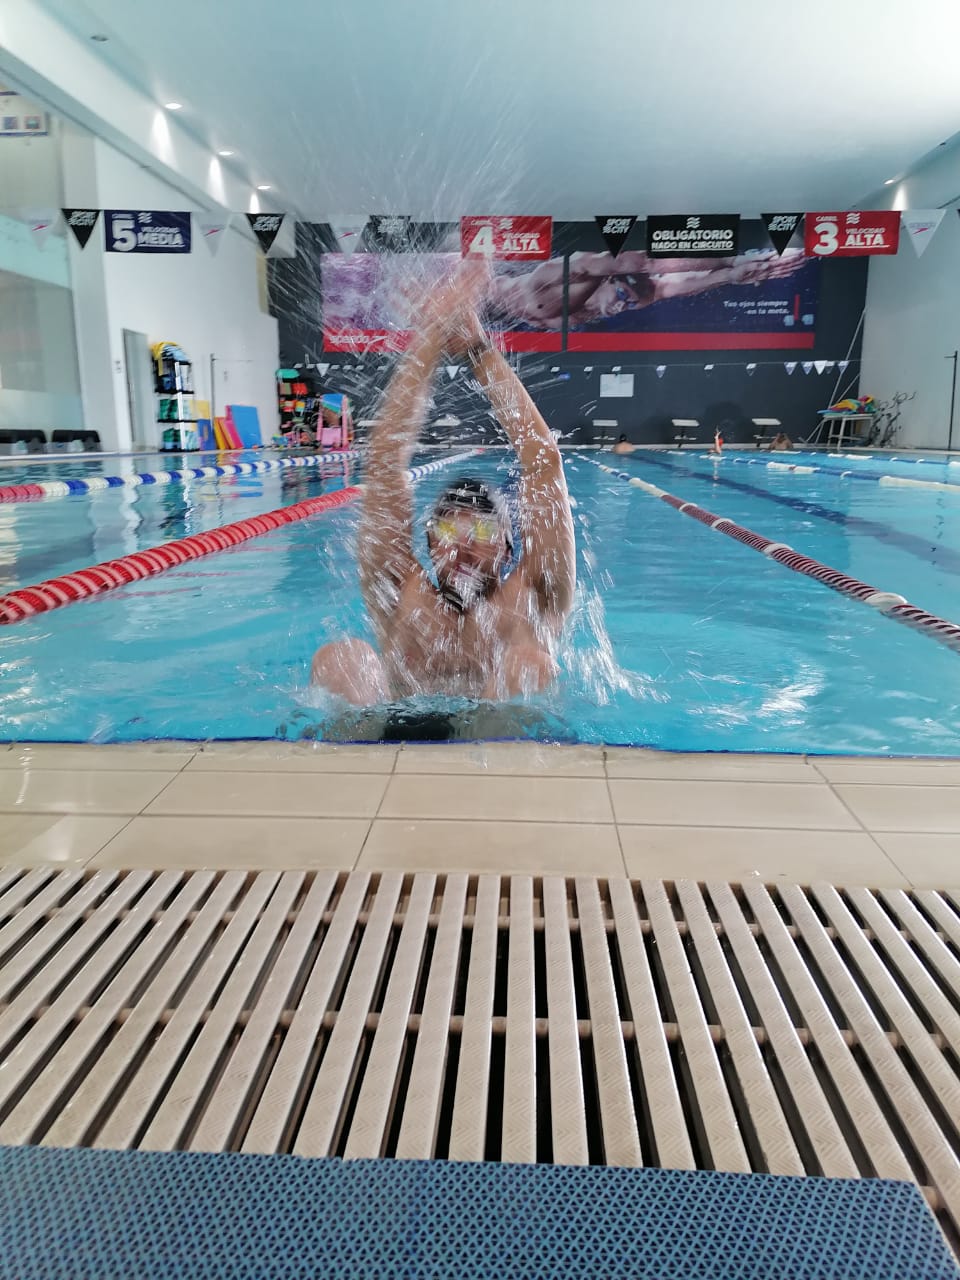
(468, 494)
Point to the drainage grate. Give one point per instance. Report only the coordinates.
(728, 1027)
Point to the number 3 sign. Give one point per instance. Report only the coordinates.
(852, 234)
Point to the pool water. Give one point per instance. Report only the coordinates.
(680, 638)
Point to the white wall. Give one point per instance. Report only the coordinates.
(913, 307)
(207, 305)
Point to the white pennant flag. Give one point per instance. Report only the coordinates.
(322, 370)
(40, 222)
(588, 368)
(922, 225)
(807, 366)
(790, 365)
(452, 370)
(751, 369)
(661, 370)
(708, 368)
(348, 231)
(212, 230)
(819, 365)
(842, 365)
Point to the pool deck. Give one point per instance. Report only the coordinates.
(508, 808)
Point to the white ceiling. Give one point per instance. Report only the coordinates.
(569, 107)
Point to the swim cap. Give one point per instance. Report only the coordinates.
(467, 494)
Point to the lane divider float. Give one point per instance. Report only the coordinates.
(27, 602)
(40, 490)
(889, 603)
(805, 469)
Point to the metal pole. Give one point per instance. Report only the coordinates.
(953, 397)
(213, 389)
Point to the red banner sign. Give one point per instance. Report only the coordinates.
(850, 235)
(523, 239)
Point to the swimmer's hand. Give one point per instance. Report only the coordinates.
(449, 312)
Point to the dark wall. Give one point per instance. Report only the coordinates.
(727, 396)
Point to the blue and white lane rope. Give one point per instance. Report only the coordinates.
(36, 490)
(807, 469)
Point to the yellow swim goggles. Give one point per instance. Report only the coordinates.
(447, 530)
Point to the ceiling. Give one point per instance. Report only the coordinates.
(441, 107)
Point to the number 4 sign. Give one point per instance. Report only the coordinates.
(852, 234)
(526, 239)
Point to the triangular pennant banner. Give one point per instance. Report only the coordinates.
(452, 370)
(661, 370)
(842, 365)
(781, 228)
(751, 369)
(819, 365)
(266, 227)
(81, 222)
(211, 231)
(40, 223)
(348, 231)
(615, 228)
(322, 369)
(922, 225)
(390, 232)
(790, 365)
(807, 366)
(588, 368)
(708, 368)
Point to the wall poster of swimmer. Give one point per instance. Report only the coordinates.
(584, 299)
(633, 302)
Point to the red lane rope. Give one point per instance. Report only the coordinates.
(886, 602)
(26, 602)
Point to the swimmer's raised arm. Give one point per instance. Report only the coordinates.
(549, 559)
(385, 542)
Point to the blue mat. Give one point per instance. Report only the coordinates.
(129, 1215)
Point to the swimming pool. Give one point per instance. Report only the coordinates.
(680, 639)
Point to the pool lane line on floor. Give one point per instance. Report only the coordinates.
(802, 468)
(889, 603)
(41, 490)
(27, 602)
(942, 557)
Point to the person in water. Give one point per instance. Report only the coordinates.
(477, 631)
(623, 445)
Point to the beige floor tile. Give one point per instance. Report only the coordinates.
(156, 756)
(341, 795)
(229, 843)
(932, 861)
(916, 773)
(626, 762)
(729, 804)
(902, 808)
(77, 791)
(508, 847)
(513, 759)
(294, 757)
(34, 839)
(800, 857)
(519, 799)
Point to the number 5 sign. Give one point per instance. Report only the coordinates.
(851, 235)
(526, 239)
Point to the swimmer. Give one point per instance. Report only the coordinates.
(781, 443)
(476, 631)
(601, 286)
(623, 445)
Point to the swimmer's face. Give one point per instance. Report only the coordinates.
(468, 549)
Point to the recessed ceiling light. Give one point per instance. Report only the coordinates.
(264, 186)
(889, 182)
(226, 152)
(100, 39)
(173, 106)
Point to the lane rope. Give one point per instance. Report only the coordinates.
(27, 602)
(889, 603)
(40, 490)
(806, 469)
